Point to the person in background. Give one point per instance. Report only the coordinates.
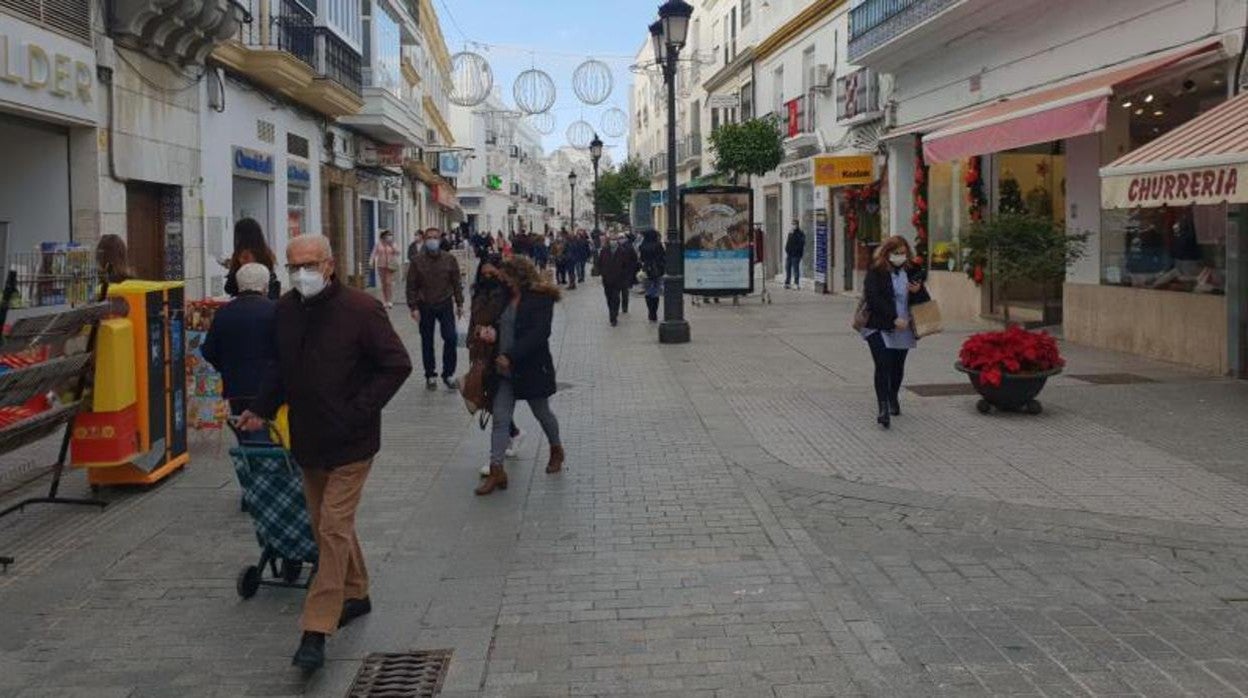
(110, 259)
(250, 246)
(583, 253)
(541, 252)
(893, 284)
(559, 253)
(339, 362)
(794, 249)
(240, 342)
(524, 364)
(653, 265)
(435, 296)
(386, 261)
(618, 265)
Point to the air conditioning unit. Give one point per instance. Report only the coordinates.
(820, 78)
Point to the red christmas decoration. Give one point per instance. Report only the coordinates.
(1013, 351)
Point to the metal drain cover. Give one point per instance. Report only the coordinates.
(942, 389)
(416, 674)
(1113, 378)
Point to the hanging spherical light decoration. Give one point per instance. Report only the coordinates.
(614, 122)
(472, 79)
(592, 82)
(534, 91)
(543, 123)
(580, 133)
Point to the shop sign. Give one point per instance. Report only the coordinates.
(448, 164)
(382, 154)
(844, 170)
(1211, 185)
(253, 164)
(46, 73)
(729, 101)
(298, 174)
(795, 170)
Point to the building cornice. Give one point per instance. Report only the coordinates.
(723, 75)
(807, 18)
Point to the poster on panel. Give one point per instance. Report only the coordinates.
(715, 223)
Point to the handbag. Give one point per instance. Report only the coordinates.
(861, 316)
(472, 388)
(926, 318)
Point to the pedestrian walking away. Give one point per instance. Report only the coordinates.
(894, 283)
(794, 249)
(240, 342)
(653, 267)
(525, 367)
(250, 246)
(435, 296)
(618, 265)
(386, 262)
(339, 361)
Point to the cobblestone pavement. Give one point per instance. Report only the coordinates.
(730, 524)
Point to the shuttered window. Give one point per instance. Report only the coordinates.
(71, 17)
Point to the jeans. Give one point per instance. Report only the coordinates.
(504, 411)
(444, 315)
(617, 299)
(890, 368)
(792, 270)
(580, 271)
(561, 273)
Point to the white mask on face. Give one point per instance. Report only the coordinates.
(897, 259)
(308, 282)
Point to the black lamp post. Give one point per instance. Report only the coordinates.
(572, 189)
(668, 36)
(595, 154)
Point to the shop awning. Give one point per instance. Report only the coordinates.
(1204, 161)
(1074, 109)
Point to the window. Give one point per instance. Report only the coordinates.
(745, 12)
(1169, 249)
(747, 101)
(387, 52)
(777, 91)
(733, 25)
(727, 42)
(714, 119)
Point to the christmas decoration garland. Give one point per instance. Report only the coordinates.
(975, 203)
(919, 219)
(856, 199)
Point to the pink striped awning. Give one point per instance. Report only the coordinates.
(1204, 161)
(1074, 109)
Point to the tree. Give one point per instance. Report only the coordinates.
(615, 188)
(750, 148)
(1018, 247)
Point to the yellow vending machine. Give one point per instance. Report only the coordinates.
(135, 433)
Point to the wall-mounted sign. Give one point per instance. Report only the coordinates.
(46, 74)
(298, 174)
(844, 170)
(1210, 185)
(448, 164)
(731, 101)
(795, 170)
(253, 164)
(382, 154)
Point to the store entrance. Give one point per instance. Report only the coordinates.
(771, 219)
(145, 230)
(1031, 181)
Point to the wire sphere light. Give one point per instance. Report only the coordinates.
(614, 122)
(580, 133)
(543, 123)
(534, 91)
(592, 82)
(472, 79)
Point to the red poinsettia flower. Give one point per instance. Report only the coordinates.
(1012, 351)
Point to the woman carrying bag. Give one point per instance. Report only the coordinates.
(894, 284)
(386, 262)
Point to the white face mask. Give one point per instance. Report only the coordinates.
(897, 259)
(308, 282)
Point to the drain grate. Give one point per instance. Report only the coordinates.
(942, 389)
(1113, 378)
(416, 674)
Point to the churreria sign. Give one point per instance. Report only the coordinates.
(46, 74)
(1212, 185)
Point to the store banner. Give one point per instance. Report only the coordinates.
(253, 164)
(298, 174)
(1201, 185)
(821, 246)
(844, 170)
(716, 224)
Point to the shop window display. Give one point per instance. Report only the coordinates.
(1167, 248)
(945, 202)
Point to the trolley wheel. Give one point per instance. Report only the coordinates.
(291, 569)
(1033, 407)
(983, 406)
(248, 581)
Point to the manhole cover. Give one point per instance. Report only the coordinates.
(564, 386)
(1113, 378)
(414, 674)
(942, 389)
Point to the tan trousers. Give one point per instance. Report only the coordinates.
(333, 496)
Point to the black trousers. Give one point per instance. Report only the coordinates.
(617, 299)
(444, 316)
(890, 368)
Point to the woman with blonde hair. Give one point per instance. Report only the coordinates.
(526, 369)
(893, 284)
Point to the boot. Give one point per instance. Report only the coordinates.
(556, 460)
(894, 406)
(884, 418)
(311, 653)
(652, 304)
(496, 480)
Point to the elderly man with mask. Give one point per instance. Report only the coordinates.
(339, 363)
(433, 284)
(617, 263)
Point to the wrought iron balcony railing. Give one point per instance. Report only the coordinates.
(338, 61)
(282, 25)
(877, 22)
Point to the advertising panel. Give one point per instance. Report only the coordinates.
(716, 223)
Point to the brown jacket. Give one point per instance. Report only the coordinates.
(339, 363)
(433, 279)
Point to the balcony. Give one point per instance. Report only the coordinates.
(689, 151)
(886, 34)
(858, 97)
(386, 116)
(336, 90)
(180, 32)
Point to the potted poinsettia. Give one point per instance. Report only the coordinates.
(1009, 368)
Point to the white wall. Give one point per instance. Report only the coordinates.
(34, 188)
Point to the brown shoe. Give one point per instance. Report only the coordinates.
(556, 460)
(496, 480)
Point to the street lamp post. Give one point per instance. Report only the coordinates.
(668, 36)
(572, 191)
(595, 154)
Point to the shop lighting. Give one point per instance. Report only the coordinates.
(1159, 113)
(1139, 112)
(1148, 99)
(1127, 104)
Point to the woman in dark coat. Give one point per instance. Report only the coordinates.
(653, 265)
(250, 246)
(526, 369)
(893, 284)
